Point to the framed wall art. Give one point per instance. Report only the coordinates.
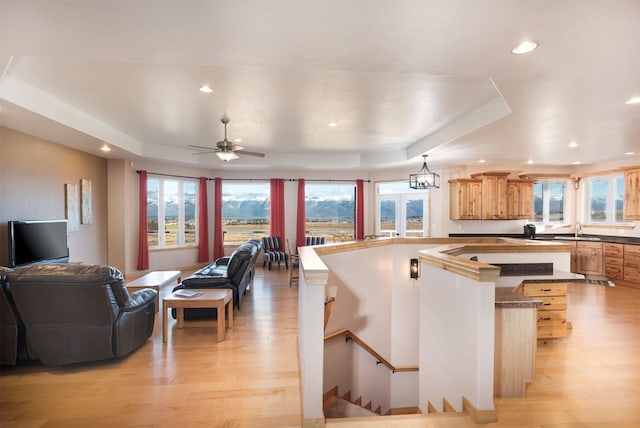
(71, 206)
(85, 208)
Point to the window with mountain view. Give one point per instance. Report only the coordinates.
(605, 199)
(245, 210)
(330, 210)
(171, 212)
(548, 201)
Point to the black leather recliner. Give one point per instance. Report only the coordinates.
(234, 272)
(78, 313)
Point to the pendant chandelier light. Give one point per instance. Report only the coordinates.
(424, 179)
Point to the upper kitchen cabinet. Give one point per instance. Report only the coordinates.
(494, 194)
(465, 199)
(519, 199)
(631, 204)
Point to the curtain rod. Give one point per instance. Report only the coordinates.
(250, 179)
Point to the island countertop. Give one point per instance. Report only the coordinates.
(507, 286)
(508, 298)
(512, 282)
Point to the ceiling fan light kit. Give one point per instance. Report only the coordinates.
(225, 149)
(227, 156)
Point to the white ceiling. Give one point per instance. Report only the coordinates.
(401, 78)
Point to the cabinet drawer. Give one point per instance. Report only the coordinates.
(632, 274)
(551, 318)
(552, 331)
(613, 271)
(612, 261)
(593, 245)
(631, 259)
(553, 303)
(631, 249)
(546, 289)
(613, 250)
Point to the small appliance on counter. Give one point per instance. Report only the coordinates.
(529, 231)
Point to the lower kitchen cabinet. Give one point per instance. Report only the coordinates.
(632, 263)
(589, 260)
(613, 260)
(552, 314)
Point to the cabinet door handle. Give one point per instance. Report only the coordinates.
(545, 289)
(545, 319)
(546, 304)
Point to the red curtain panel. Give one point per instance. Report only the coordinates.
(143, 241)
(276, 209)
(359, 209)
(218, 240)
(302, 216)
(203, 222)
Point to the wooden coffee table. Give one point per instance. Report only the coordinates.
(210, 298)
(156, 280)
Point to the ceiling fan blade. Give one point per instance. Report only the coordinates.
(256, 154)
(205, 153)
(202, 147)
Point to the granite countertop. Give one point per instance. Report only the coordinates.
(558, 276)
(507, 298)
(506, 286)
(542, 236)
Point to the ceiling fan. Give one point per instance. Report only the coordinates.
(225, 149)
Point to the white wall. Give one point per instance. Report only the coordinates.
(456, 340)
(379, 303)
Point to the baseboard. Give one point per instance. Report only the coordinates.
(479, 416)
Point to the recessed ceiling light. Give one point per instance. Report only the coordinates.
(481, 161)
(577, 163)
(530, 161)
(630, 153)
(332, 124)
(524, 47)
(206, 89)
(633, 100)
(105, 148)
(573, 144)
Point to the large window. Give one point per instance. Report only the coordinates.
(245, 210)
(548, 201)
(402, 211)
(172, 207)
(330, 210)
(605, 199)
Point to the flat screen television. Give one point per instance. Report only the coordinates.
(37, 242)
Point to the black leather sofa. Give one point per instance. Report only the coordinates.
(234, 272)
(72, 313)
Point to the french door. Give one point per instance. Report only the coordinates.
(403, 215)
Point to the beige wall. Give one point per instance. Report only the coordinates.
(33, 173)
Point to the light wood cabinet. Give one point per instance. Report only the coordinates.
(631, 204)
(589, 260)
(519, 199)
(494, 195)
(632, 263)
(465, 199)
(552, 314)
(613, 260)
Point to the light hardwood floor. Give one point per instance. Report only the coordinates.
(591, 378)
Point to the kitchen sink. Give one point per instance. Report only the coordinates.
(577, 238)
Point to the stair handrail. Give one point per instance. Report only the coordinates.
(380, 359)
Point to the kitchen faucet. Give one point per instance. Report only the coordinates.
(578, 229)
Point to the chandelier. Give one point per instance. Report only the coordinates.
(424, 179)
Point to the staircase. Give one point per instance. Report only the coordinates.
(338, 408)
